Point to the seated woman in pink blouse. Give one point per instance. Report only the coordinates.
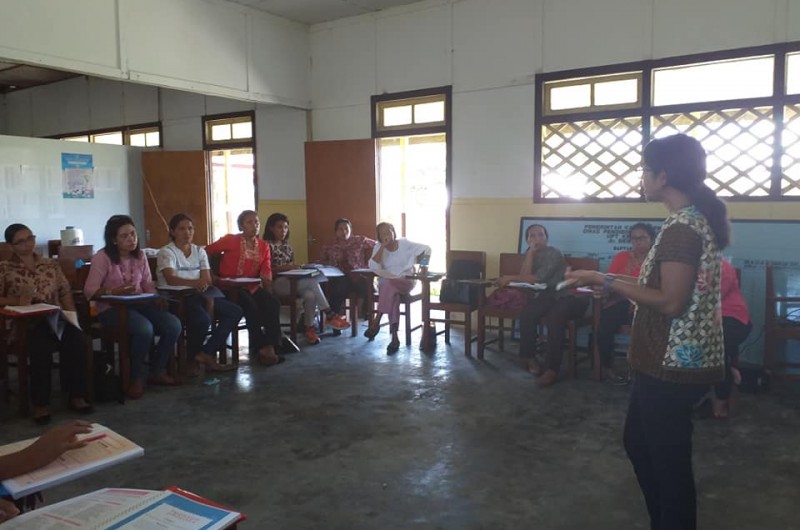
(121, 268)
(346, 252)
(29, 278)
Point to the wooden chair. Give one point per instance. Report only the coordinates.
(590, 318)
(406, 302)
(778, 327)
(509, 264)
(53, 247)
(5, 251)
(454, 257)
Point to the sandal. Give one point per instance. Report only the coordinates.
(534, 367)
(393, 346)
(270, 360)
(211, 365)
(371, 332)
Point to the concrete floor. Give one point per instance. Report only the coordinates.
(343, 437)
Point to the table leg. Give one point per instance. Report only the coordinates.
(124, 347)
(21, 340)
(427, 338)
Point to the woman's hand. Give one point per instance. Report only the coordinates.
(56, 442)
(8, 510)
(201, 285)
(502, 281)
(121, 291)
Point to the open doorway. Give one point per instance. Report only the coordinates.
(413, 190)
(229, 141)
(413, 142)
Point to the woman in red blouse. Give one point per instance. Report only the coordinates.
(28, 278)
(245, 255)
(618, 311)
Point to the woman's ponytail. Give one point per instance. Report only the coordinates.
(715, 211)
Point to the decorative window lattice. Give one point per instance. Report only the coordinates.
(790, 162)
(739, 143)
(592, 159)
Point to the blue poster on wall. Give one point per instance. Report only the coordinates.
(78, 176)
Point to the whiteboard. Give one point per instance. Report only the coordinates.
(31, 188)
(754, 243)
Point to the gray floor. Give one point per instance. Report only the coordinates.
(343, 437)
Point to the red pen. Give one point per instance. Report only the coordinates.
(94, 438)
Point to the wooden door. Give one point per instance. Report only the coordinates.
(341, 181)
(174, 182)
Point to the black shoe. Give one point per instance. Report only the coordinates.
(288, 345)
(371, 332)
(337, 332)
(393, 346)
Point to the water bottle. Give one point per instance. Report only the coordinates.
(79, 263)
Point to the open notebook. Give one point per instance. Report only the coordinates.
(128, 509)
(105, 448)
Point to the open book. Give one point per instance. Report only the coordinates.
(129, 509)
(526, 285)
(139, 296)
(328, 270)
(56, 317)
(105, 448)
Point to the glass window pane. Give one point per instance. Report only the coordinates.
(76, 138)
(138, 140)
(570, 97)
(153, 139)
(220, 132)
(719, 81)
(393, 116)
(793, 74)
(616, 92)
(243, 130)
(108, 138)
(429, 112)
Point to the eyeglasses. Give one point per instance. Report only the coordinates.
(30, 239)
(640, 238)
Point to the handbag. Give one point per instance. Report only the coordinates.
(455, 292)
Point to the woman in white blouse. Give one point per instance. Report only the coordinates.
(394, 258)
(182, 263)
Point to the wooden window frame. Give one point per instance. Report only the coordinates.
(229, 145)
(779, 100)
(125, 130)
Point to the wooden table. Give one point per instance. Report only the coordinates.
(294, 276)
(20, 325)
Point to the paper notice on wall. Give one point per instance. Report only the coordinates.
(24, 205)
(31, 178)
(107, 179)
(10, 177)
(78, 171)
(51, 180)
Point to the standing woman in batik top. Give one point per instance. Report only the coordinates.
(676, 346)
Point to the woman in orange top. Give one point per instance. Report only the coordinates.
(245, 255)
(617, 310)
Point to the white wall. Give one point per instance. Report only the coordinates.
(89, 103)
(26, 200)
(212, 47)
(490, 53)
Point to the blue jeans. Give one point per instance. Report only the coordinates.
(198, 321)
(144, 322)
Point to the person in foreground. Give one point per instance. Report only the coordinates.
(47, 448)
(543, 264)
(347, 252)
(618, 310)
(396, 257)
(121, 268)
(676, 347)
(736, 326)
(277, 234)
(182, 263)
(244, 255)
(29, 278)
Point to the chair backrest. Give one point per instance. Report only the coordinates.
(5, 252)
(82, 252)
(510, 263)
(583, 264)
(466, 264)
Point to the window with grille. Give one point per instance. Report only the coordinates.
(742, 105)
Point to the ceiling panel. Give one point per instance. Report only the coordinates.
(19, 76)
(316, 11)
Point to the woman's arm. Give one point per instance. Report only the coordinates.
(47, 448)
(65, 300)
